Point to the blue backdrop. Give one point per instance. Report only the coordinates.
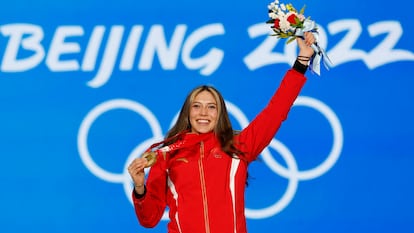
(86, 86)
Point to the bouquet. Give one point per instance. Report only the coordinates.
(288, 23)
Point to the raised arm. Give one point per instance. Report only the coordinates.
(258, 134)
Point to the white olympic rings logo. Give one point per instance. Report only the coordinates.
(290, 172)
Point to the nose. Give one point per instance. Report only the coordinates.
(204, 111)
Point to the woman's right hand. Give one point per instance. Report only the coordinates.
(137, 173)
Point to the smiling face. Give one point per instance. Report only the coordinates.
(203, 113)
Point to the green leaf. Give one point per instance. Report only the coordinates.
(298, 23)
(302, 11)
(290, 40)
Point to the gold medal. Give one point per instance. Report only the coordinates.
(151, 157)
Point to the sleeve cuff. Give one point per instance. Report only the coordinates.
(299, 67)
(139, 196)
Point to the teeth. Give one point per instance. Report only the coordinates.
(202, 121)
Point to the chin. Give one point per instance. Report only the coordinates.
(202, 130)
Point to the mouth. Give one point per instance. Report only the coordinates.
(203, 121)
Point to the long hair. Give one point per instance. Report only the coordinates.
(223, 129)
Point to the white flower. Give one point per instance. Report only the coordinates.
(272, 15)
(284, 24)
(283, 7)
(281, 14)
(271, 6)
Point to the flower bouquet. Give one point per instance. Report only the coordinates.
(288, 23)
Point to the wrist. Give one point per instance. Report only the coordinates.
(140, 193)
(300, 67)
(139, 188)
(303, 59)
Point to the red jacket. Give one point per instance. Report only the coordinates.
(203, 186)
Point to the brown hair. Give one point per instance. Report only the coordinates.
(223, 128)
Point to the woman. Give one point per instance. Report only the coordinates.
(201, 169)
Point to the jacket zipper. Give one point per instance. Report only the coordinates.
(203, 187)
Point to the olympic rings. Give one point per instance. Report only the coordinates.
(291, 172)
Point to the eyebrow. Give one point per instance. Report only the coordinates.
(202, 103)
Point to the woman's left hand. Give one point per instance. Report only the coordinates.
(305, 48)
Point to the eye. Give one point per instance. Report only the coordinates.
(196, 105)
(212, 106)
